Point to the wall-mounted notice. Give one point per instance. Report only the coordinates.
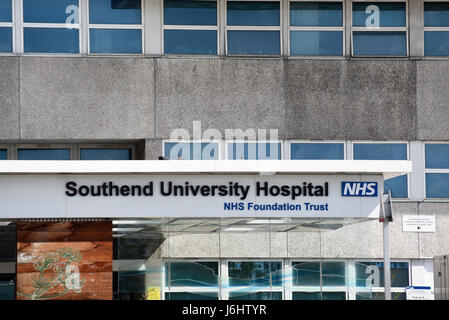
(418, 223)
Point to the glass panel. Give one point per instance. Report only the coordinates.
(5, 10)
(115, 41)
(43, 154)
(306, 295)
(389, 43)
(254, 42)
(333, 296)
(327, 43)
(398, 186)
(190, 12)
(254, 151)
(193, 274)
(437, 185)
(191, 296)
(3, 154)
(436, 14)
(106, 154)
(333, 274)
(51, 40)
(254, 273)
(437, 156)
(320, 14)
(191, 151)
(114, 12)
(306, 273)
(7, 287)
(255, 296)
(317, 151)
(5, 39)
(252, 13)
(51, 11)
(190, 42)
(371, 274)
(391, 14)
(436, 43)
(379, 296)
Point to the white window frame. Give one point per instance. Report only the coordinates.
(78, 147)
(227, 142)
(190, 27)
(316, 142)
(380, 29)
(426, 29)
(407, 143)
(11, 25)
(425, 171)
(317, 28)
(116, 27)
(217, 141)
(255, 28)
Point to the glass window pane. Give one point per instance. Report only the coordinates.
(254, 42)
(193, 274)
(371, 274)
(5, 39)
(253, 13)
(115, 12)
(333, 273)
(254, 273)
(191, 295)
(3, 154)
(51, 40)
(43, 154)
(317, 151)
(190, 12)
(379, 296)
(191, 151)
(190, 41)
(437, 156)
(333, 295)
(322, 14)
(235, 295)
(306, 295)
(5, 10)
(436, 43)
(436, 14)
(51, 11)
(391, 14)
(306, 273)
(380, 151)
(115, 41)
(398, 186)
(437, 185)
(388, 43)
(105, 154)
(254, 151)
(327, 43)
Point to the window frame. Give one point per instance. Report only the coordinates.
(227, 142)
(6, 147)
(16, 148)
(90, 26)
(13, 26)
(316, 28)
(290, 142)
(191, 28)
(255, 28)
(407, 143)
(427, 29)
(380, 29)
(217, 141)
(78, 147)
(425, 171)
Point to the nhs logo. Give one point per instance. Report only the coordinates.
(359, 189)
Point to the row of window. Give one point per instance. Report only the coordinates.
(277, 280)
(193, 27)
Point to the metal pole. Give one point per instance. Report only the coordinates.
(387, 271)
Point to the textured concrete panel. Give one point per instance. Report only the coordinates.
(245, 245)
(350, 99)
(94, 98)
(198, 245)
(403, 244)
(9, 98)
(437, 243)
(153, 149)
(432, 100)
(303, 244)
(222, 94)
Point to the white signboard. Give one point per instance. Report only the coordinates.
(419, 293)
(133, 196)
(413, 223)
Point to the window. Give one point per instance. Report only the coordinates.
(253, 27)
(370, 280)
(386, 151)
(190, 27)
(6, 26)
(191, 151)
(436, 28)
(115, 26)
(379, 29)
(105, 154)
(437, 170)
(51, 26)
(43, 154)
(254, 151)
(319, 280)
(317, 151)
(316, 28)
(3, 154)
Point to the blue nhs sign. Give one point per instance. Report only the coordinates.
(359, 189)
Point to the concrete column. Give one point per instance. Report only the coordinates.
(416, 25)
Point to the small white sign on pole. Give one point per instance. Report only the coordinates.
(413, 223)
